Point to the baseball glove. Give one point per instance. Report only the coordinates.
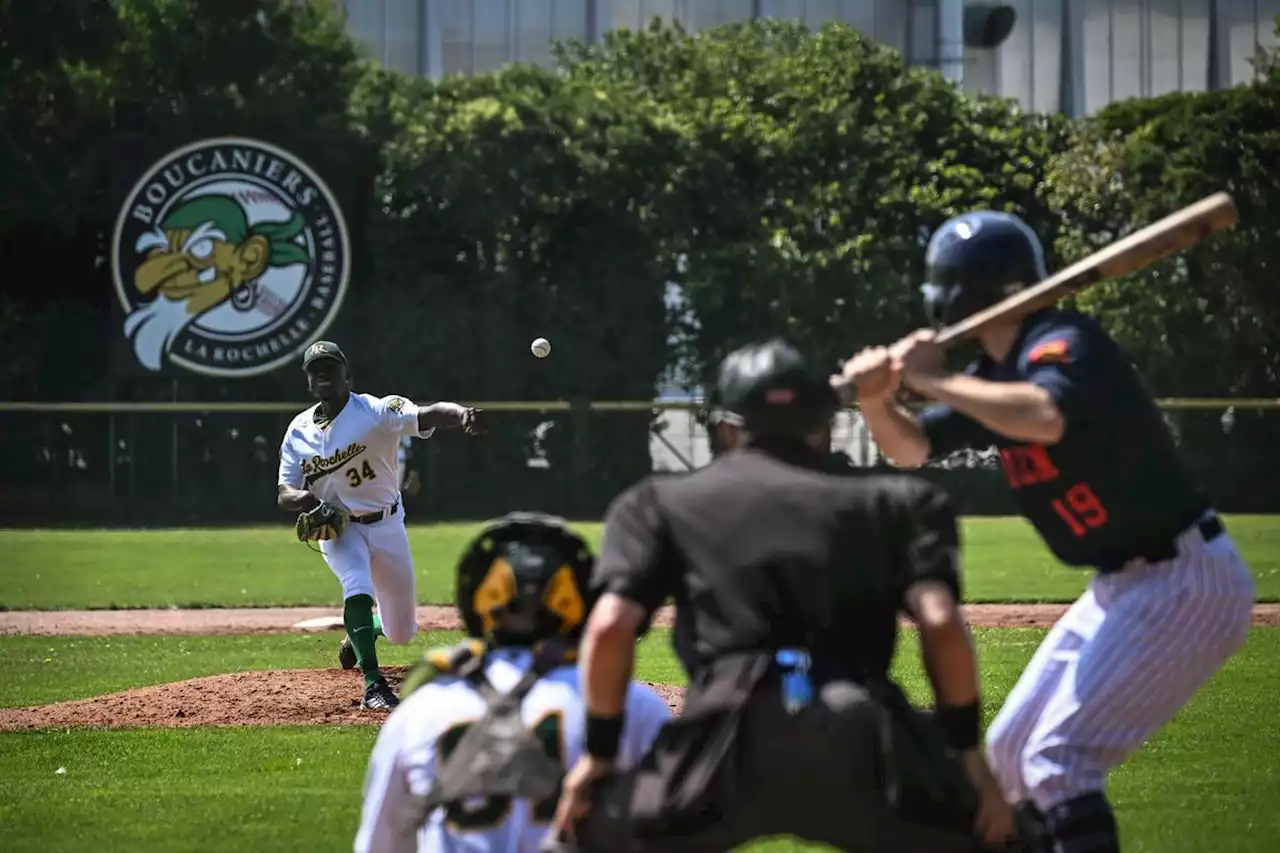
(321, 524)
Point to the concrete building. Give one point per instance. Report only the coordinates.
(1072, 56)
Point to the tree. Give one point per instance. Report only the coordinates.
(1203, 323)
(94, 92)
(514, 205)
(815, 165)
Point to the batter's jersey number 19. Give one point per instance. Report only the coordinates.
(492, 811)
(1080, 509)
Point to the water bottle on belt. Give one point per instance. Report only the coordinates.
(797, 687)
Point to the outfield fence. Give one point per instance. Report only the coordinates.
(176, 463)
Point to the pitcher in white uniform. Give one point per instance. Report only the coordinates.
(522, 592)
(342, 452)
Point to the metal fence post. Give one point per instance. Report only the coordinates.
(580, 453)
(133, 458)
(173, 450)
(111, 454)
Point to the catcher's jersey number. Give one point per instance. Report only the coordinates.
(356, 476)
(489, 812)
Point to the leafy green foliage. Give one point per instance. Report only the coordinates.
(785, 179)
(95, 91)
(816, 163)
(1203, 323)
(186, 68)
(511, 206)
(518, 204)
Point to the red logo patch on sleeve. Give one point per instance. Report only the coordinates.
(1055, 351)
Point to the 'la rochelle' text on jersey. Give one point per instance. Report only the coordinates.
(350, 461)
(1114, 480)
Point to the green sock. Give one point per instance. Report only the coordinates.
(357, 616)
(377, 626)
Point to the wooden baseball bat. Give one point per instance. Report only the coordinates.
(1175, 232)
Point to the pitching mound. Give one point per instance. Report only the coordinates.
(277, 697)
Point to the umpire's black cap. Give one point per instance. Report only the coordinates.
(323, 349)
(770, 389)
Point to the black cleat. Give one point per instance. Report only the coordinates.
(380, 696)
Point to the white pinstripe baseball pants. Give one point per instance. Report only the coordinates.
(1120, 663)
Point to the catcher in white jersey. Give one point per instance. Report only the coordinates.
(338, 468)
(472, 760)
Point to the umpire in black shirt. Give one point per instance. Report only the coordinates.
(788, 578)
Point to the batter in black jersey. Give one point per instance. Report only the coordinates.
(1095, 469)
(1108, 484)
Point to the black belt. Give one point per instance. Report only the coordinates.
(1162, 549)
(370, 518)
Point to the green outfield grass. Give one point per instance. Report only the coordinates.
(1191, 789)
(249, 567)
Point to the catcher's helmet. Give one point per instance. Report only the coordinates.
(972, 261)
(525, 578)
(769, 389)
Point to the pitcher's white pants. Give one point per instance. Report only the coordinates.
(1120, 663)
(374, 559)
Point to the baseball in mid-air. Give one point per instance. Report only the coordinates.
(541, 347)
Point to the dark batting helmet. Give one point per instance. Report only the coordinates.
(974, 260)
(769, 389)
(524, 578)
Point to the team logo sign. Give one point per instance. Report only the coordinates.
(229, 257)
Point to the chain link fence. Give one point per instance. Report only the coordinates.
(165, 464)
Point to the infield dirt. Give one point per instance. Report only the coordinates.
(434, 617)
(268, 698)
(303, 696)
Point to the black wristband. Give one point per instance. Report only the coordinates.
(603, 736)
(961, 725)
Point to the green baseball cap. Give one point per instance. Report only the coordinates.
(323, 349)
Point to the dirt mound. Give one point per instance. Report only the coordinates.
(276, 697)
(275, 620)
